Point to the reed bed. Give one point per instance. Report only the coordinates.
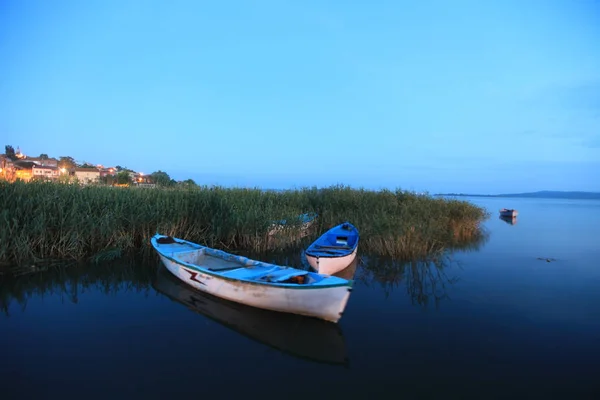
(41, 220)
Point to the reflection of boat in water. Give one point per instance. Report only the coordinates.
(509, 220)
(303, 337)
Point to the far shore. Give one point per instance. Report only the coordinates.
(533, 195)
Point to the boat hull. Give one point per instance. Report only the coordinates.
(327, 303)
(509, 213)
(331, 265)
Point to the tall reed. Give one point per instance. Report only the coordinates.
(41, 220)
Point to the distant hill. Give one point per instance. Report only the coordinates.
(544, 194)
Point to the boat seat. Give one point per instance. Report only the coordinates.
(333, 247)
(275, 274)
(282, 275)
(247, 273)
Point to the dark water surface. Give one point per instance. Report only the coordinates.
(491, 322)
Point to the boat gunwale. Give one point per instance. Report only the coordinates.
(348, 253)
(348, 282)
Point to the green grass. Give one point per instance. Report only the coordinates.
(59, 221)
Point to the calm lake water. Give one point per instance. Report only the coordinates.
(491, 322)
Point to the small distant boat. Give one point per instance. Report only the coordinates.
(508, 212)
(295, 335)
(306, 221)
(254, 283)
(334, 250)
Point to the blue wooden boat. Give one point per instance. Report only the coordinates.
(334, 250)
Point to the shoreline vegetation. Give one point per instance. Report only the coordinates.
(47, 221)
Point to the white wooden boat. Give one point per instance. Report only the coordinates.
(295, 335)
(255, 283)
(508, 212)
(334, 250)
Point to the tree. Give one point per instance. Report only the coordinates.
(161, 178)
(108, 180)
(44, 156)
(9, 151)
(189, 182)
(67, 162)
(123, 178)
(65, 178)
(87, 165)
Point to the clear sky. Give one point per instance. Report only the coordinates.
(450, 95)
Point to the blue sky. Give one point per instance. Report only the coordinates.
(462, 96)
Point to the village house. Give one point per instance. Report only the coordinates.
(106, 172)
(141, 180)
(23, 170)
(139, 177)
(86, 175)
(44, 162)
(44, 172)
(27, 168)
(7, 168)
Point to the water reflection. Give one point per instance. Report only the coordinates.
(424, 280)
(70, 281)
(509, 220)
(304, 337)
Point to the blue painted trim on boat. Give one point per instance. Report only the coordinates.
(326, 247)
(341, 282)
